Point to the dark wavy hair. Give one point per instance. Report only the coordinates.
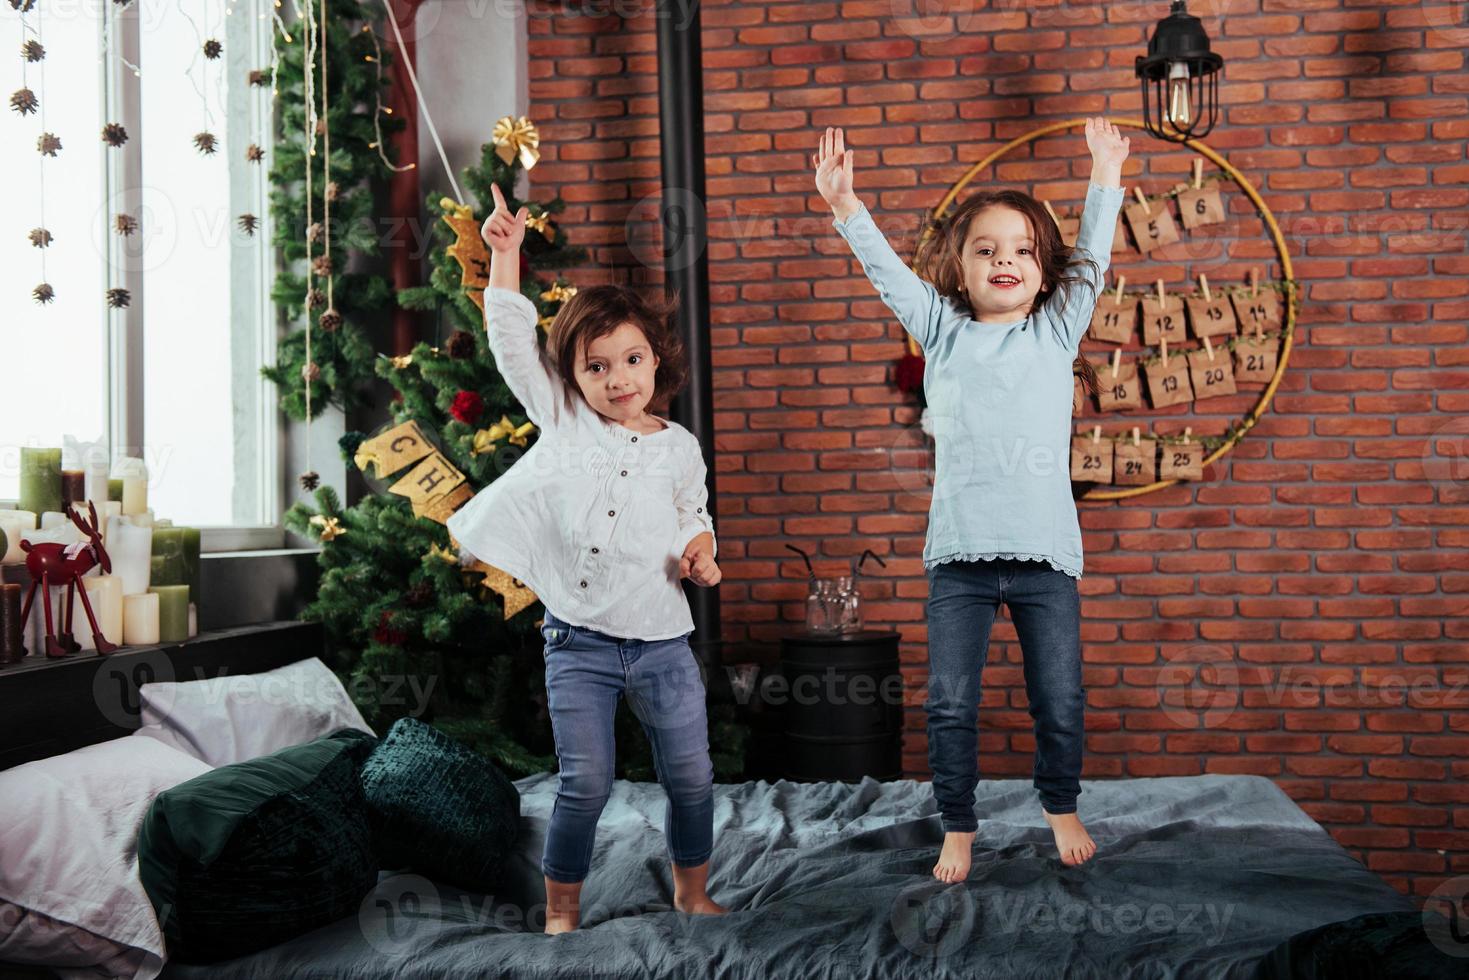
(940, 261)
(597, 311)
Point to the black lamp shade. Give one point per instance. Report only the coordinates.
(1179, 78)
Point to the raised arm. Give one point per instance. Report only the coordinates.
(510, 323)
(1109, 148)
(916, 304)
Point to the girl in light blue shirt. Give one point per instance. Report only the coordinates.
(999, 318)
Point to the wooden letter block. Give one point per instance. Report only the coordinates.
(1255, 357)
(1135, 466)
(1212, 319)
(1121, 391)
(1200, 207)
(1169, 385)
(1163, 320)
(1152, 230)
(1091, 462)
(1182, 461)
(1211, 378)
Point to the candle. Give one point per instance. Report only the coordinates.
(193, 620)
(11, 646)
(173, 612)
(134, 484)
(104, 592)
(40, 479)
(114, 490)
(191, 562)
(106, 511)
(168, 556)
(140, 618)
(16, 523)
(131, 549)
(35, 627)
(61, 533)
(54, 518)
(73, 487)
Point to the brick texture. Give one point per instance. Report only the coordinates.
(1300, 614)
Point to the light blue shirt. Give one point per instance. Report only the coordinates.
(999, 401)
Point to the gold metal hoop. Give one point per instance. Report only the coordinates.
(1288, 277)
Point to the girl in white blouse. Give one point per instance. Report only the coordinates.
(602, 518)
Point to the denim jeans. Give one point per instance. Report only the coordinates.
(963, 600)
(586, 673)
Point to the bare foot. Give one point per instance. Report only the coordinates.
(690, 894)
(1073, 843)
(953, 864)
(563, 906)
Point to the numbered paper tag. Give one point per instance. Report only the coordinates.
(1091, 462)
(1255, 357)
(1163, 320)
(1211, 378)
(1261, 311)
(1169, 385)
(1121, 391)
(1212, 318)
(1200, 207)
(1151, 229)
(1113, 322)
(1135, 465)
(1182, 461)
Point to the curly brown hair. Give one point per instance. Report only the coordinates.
(939, 258)
(597, 311)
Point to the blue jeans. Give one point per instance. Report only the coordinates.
(586, 673)
(963, 600)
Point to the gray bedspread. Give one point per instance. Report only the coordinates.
(1193, 877)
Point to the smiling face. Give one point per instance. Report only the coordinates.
(616, 372)
(1001, 272)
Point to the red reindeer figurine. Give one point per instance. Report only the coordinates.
(52, 563)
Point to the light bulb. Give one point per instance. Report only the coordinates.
(1180, 111)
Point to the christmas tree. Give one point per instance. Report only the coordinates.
(395, 599)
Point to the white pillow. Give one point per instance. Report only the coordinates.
(70, 895)
(229, 719)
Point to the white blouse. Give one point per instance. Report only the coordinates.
(594, 517)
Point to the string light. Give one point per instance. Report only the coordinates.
(377, 121)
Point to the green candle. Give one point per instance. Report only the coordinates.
(40, 479)
(168, 556)
(114, 490)
(173, 612)
(191, 562)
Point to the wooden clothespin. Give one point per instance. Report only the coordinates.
(1117, 300)
(1096, 434)
(1204, 285)
(1209, 347)
(1198, 173)
(1254, 282)
(1187, 431)
(1116, 362)
(1143, 200)
(1135, 436)
(1052, 212)
(1163, 342)
(1162, 296)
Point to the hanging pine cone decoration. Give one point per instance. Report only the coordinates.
(315, 299)
(40, 237)
(24, 102)
(23, 6)
(322, 265)
(332, 190)
(125, 225)
(315, 232)
(205, 143)
(461, 345)
(320, 125)
(310, 480)
(419, 595)
(310, 371)
(32, 51)
(253, 153)
(43, 293)
(113, 134)
(259, 77)
(48, 144)
(248, 224)
(118, 299)
(212, 49)
(331, 321)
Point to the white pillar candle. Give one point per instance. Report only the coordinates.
(53, 518)
(34, 631)
(193, 620)
(105, 594)
(91, 459)
(15, 523)
(134, 476)
(62, 533)
(105, 513)
(140, 619)
(131, 549)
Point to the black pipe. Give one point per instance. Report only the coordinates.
(683, 217)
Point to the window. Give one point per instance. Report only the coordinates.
(177, 371)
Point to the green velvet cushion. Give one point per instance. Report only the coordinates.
(440, 808)
(249, 855)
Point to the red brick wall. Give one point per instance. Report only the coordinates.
(1320, 562)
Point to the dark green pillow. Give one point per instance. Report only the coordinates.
(440, 808)
(249, 855)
